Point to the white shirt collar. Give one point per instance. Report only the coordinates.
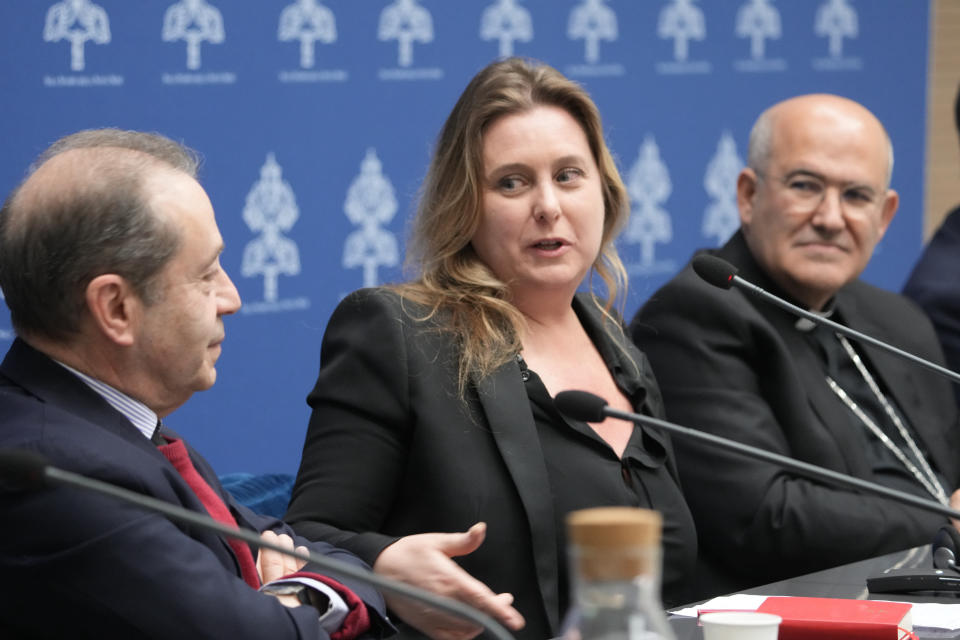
(806, 324)
(144, 419)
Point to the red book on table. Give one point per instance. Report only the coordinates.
(805, 618)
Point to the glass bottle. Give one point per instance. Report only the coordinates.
(615, 565)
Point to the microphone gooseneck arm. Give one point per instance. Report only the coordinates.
(53, 475)
(847, 331)
(804, 468)
(582, 405)
(722, 274)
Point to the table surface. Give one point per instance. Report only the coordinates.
(846, 581)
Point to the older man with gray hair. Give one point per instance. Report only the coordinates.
(110, 265)
(814, 201)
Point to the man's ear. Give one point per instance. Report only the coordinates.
(114, 307)
(746, 190)
(890, 203)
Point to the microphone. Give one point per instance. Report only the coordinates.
(714, 270)
(946, 547)
(943, 577)
(585, 406)
(722, 274)
(28, 471)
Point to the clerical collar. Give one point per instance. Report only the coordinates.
(806, 325)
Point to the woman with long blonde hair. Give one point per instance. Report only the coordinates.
(432, 412)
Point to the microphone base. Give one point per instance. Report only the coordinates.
(914, 580)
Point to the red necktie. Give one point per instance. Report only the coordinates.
(177, 454)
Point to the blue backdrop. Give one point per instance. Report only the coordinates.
(316, 121)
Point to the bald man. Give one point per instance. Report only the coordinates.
(814, 201)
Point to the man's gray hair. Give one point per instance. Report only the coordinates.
(87, 219)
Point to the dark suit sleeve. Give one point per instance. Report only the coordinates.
(934, 285)
(723, 369)
(354, 453)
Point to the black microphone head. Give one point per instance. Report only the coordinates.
(714, 270)
(947, 538)
(580, 405)
(20, 470)
(944, 559)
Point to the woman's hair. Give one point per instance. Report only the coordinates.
(450, 277)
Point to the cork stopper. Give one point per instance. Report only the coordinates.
(614, 543)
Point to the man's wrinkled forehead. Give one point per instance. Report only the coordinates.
(823, 117)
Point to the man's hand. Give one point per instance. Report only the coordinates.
(272, 565)
(423, 561)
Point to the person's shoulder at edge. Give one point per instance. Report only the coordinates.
(932, 274)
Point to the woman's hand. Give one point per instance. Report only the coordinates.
(424, 560)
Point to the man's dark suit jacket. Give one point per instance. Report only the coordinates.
(78, 564)
(392, 450)
(935, 286)
(736, 366)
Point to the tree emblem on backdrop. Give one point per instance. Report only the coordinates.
(506, 21)
(406, 22)
(682, 21)
(270, 209)
(307, 21)
(722, 217)
(836, 20)
(648, 184)
(758, 20)
(592, 21)
(370, 204)
(77, 21)
(193, 21)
